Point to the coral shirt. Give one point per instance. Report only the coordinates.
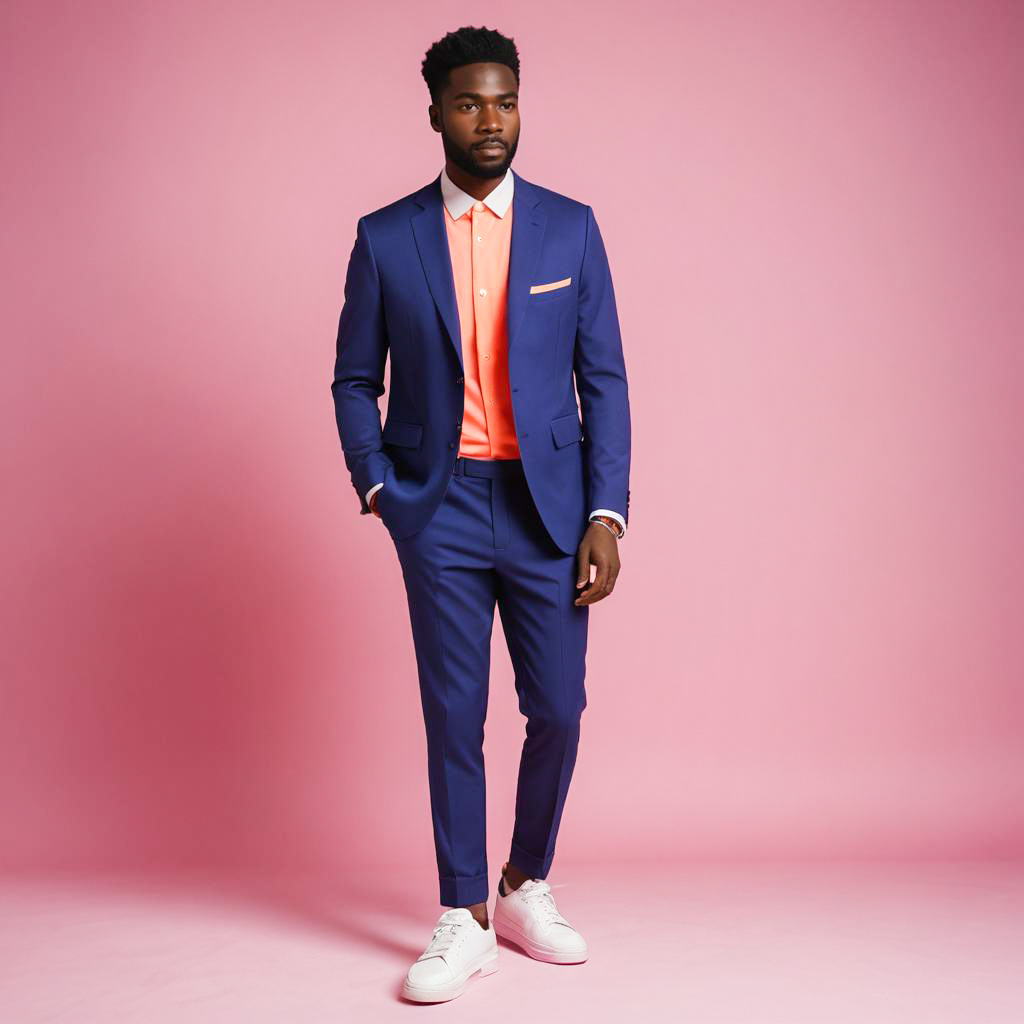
(479, 242)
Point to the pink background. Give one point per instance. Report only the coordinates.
(814, 220)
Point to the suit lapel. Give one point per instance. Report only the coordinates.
(528, 223)
(432, 245)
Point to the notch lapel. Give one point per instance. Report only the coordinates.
(432, 244)
(528, 223)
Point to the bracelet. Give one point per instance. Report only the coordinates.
(610, 529)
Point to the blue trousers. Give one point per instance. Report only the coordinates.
(486, 545)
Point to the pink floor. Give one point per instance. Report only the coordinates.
(828, 943)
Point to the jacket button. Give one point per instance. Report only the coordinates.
(451, 444)
(458, 380)
(458, 426)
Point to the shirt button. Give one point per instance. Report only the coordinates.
(479, 238)
(486, 356)
(483, 291)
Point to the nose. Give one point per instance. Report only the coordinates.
(490, 123)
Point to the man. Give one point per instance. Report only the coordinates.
(491, 294)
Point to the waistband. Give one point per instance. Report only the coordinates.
(504, 468)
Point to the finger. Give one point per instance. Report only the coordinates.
(596, 590)
(582, 565)
(611, 570)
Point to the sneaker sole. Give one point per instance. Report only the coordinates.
(535, 949)
(418, 994)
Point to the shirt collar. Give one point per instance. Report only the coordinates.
(458, 202)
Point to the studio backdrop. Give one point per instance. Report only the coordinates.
(813, 217)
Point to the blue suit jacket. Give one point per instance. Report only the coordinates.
(400, 298)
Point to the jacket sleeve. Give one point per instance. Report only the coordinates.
(359, 369)
(601, 381)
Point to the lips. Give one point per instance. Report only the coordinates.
(490, 147)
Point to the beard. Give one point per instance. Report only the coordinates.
(465, 159)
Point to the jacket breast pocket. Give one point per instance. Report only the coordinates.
(553, 291)
(566, 429)
(405, 435)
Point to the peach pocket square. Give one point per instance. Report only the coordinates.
(564, 283)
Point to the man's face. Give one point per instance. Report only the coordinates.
(478, 119)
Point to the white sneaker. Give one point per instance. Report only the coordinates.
(458, 948)
(529, 918)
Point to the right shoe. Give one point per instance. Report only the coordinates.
(458, 949)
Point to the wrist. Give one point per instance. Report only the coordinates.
(614, 527)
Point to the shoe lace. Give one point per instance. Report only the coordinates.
(445, 933)
(537, 893)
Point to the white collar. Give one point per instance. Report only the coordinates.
(458, 202)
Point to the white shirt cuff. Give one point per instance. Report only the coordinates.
(373, 490)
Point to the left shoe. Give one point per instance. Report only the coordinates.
(528, 917)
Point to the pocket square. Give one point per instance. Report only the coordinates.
(564, 283)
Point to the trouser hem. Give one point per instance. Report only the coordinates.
(535, 867)
(463, 892)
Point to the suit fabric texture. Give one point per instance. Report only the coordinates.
(472, 534)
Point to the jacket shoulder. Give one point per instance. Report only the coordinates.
(558, 201)
(398, 208)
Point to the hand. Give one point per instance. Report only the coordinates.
(598, 547)
(373, 503)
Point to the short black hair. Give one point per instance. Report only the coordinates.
(467, 45)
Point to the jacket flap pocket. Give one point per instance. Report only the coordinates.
(406, 435)
(566, 429)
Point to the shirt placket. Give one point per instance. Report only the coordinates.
(483, 293)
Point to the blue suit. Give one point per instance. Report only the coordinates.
(474, 533)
